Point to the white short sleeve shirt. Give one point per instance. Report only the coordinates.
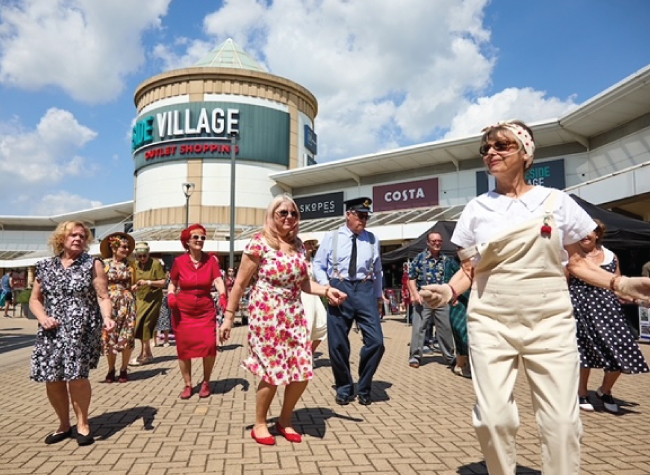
(491, 214)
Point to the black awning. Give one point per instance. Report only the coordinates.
(621, 231)
(410, 250)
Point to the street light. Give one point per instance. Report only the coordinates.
(188, 189)
(234, 136)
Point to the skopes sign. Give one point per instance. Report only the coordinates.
(203, 130)
(412, 194)
(549, 174)
(320, 206)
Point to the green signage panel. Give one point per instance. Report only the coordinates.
(203, 129)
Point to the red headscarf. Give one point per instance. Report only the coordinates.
(187, 234)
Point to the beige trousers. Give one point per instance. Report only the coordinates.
(520, 316)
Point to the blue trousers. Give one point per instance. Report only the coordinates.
(360, 306)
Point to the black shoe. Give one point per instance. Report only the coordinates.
(87, 439)
(342, 400)
(365, 400)
(56, 437)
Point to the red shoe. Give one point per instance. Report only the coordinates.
(187, 392)
(110, 377)
(123, 376)
(270, 440)
(205, 389)
(291, 437)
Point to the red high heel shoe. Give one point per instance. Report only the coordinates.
(291, 437)
(270, 440)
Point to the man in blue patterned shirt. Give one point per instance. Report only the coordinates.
(430, 267)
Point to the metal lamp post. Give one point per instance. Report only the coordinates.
(188, 189)
(233, 143)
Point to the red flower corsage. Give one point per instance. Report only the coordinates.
(546, 227)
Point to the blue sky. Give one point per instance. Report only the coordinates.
(386, 74)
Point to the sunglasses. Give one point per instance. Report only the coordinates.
(361, 216)
(283, 213)
(198, 237)
(435, 241)
(499, 146)
(140, 254)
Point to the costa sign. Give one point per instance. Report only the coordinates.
(412, 194)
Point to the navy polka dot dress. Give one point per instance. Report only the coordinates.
(604, 339)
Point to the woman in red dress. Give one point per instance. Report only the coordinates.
(194, 317)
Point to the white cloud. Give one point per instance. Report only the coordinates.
(85, 47)
(62, 202)
(524, 104)
(46, 154)
(385, 73)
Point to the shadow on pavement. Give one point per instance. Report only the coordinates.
(224, 386)
(322, 363)
(164, 358)
(476, 468)
(379, 392)
(136, 375)
(110, 423)
(312, 421)
(230, 347)
(10, 342)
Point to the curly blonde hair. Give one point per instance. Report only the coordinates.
(270, 229)
(63, 230)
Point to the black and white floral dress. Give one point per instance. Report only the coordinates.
(604, 339)
(69, 351)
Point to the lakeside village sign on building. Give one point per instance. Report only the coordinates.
(203, 130)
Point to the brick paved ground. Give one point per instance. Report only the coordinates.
(419, 423)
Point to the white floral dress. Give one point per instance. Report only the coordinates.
(70, 350)
(279, 346)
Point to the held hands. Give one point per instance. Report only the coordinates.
(224, 330)
(436, 295)
(109, 324)
(633, 288)
(335, 297)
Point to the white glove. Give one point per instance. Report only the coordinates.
(633, 287)
(437, 296)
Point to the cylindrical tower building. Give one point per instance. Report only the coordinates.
(182, 134)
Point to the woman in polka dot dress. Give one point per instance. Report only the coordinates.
(604, 339)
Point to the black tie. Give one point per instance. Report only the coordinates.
(352, 270)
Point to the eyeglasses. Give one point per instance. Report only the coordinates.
(284, 214)
(198, 237)
(435, 241)
(499, 146)
(140, 255)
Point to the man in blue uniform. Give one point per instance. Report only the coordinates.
(349, 259)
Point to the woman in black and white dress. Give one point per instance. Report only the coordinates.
(604, 339)
(70, 300)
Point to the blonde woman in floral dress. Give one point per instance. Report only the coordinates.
(279, 346)
(115, 249)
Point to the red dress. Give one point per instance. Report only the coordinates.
(195, 321)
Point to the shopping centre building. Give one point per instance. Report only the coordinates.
(195, 125)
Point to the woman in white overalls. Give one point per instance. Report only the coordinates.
(515, 241)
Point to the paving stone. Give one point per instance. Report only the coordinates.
(419, 422)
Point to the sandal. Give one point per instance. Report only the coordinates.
(123, 376)
(110, 377)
